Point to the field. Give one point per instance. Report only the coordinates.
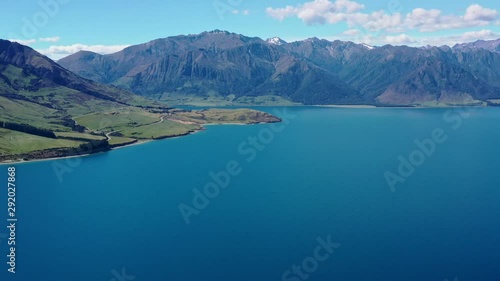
(160, 130)
(18, 111)
(223, 116)
(141, 124)
(117, 120)
(75, 135)
(119, 141)
(120, 126)
(12, 142)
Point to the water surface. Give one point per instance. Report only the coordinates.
(323, 175)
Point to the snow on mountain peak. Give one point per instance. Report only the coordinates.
(276, 41)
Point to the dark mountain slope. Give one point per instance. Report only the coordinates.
(312, 71)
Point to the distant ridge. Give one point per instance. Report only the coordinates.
(312, 71)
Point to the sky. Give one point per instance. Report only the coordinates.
(58, 28)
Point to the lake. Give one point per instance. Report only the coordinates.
(330, 194)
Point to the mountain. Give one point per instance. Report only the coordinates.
(215, 62)
(226, 67)
(492, 46)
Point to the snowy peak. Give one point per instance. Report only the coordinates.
(369, 47)
(276, 41)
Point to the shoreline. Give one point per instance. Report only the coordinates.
(203, 127)
(347, 106)
(137, 142)
(356, 106)
(365, 106)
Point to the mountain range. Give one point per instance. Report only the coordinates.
(233, 68)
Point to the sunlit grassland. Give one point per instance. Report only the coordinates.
(117, 120)
(164, 129)
(12, 142)
(75, 135)
(18, 111)
(223, 116)
(117, 141)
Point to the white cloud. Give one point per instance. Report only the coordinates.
(331, 12)
(58, 52)
(465, 37)
(317, 11)
(421, 18)
(400, 39)
(50, 39)
(375, 21)
(351, 32)
(481, 34)
(243, 12)
(26, 42)
(477, 13)
(281, 13)
(434, 20)
(417, 39)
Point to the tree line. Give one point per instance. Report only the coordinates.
(25, 128)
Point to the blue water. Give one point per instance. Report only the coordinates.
(321, 176)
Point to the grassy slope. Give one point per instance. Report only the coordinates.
(164, 129)
(117, 120)
(19, 111)
(221, 116)
(12, 142)
(76, 135)
(119, 141)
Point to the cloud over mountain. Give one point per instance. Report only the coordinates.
(350, 12)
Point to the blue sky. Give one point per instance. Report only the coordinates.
(61, 27)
